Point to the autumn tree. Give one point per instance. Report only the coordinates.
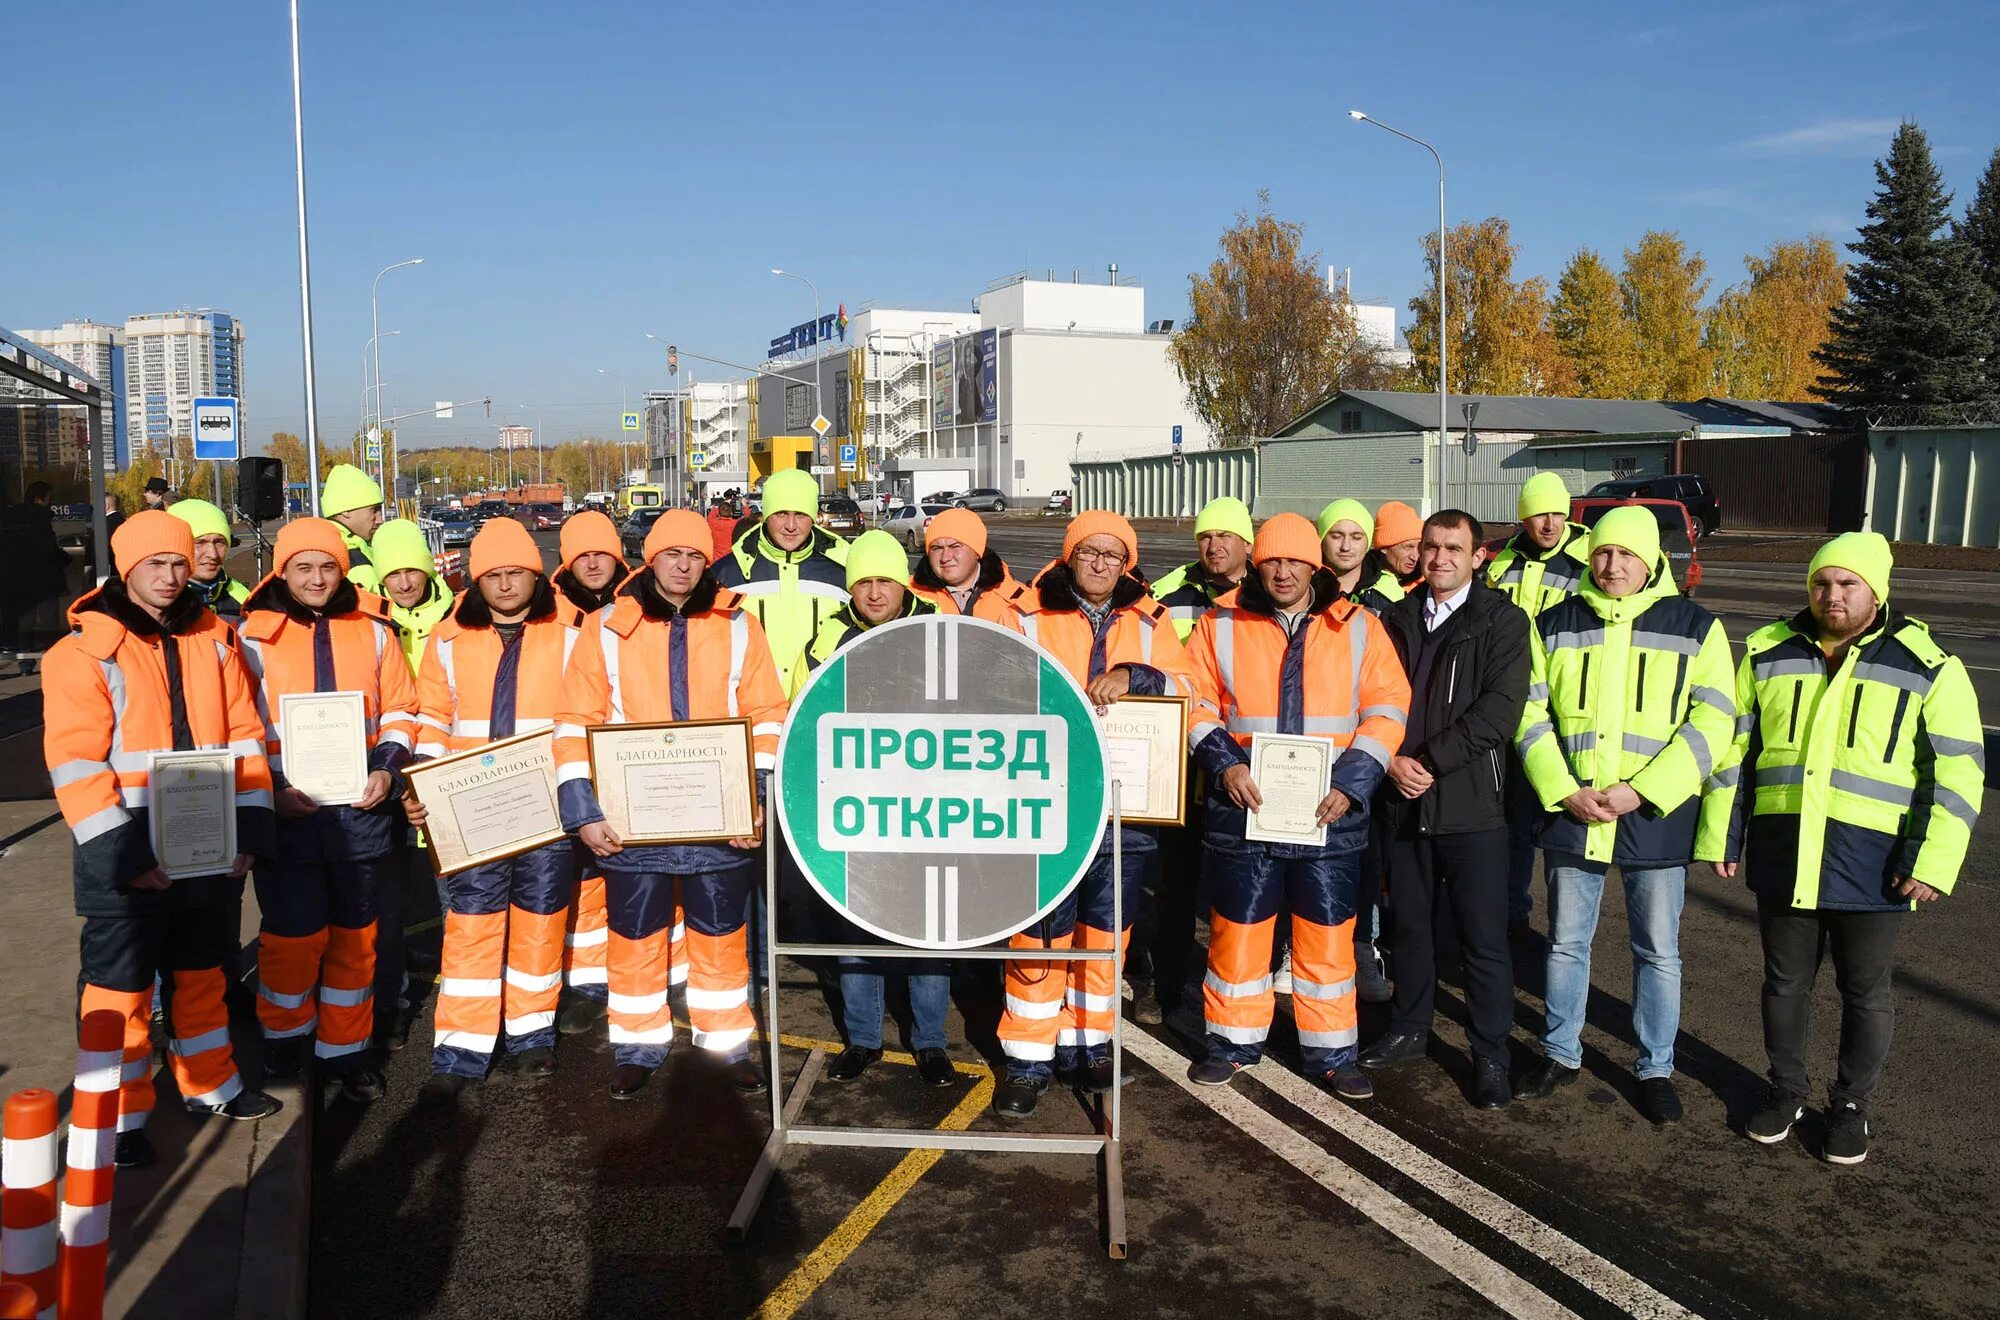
(1498, 332)
(1592, 334)
(1761, 334)
(1265, 337)
(1662, 286)
(1917, 325)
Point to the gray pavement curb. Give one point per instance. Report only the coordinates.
(277, 1211)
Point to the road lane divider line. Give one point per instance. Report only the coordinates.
(1552, 1246)
(819, 1266)
(1451, 1253)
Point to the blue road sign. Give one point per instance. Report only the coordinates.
(847, 455)
(215, 430)
(1177, 437)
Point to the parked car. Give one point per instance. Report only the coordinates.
(545, 514)
(1690, 489)
(840, 515)
(983, 500)
(906, 522)
(632, 536)
(944, 497)
(456, 527)
(1677, 532)
(1058, 502)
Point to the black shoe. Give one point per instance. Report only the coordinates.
(934, 1068)
(851, 1062)
(286, 1057)
(1772, 1122)
(628, 1079)
(442, 1089)
(398, 1036)
(748, 1078)
(1018, 1096)
(1394, 1047)
(1659, 1102)
(537, 1062)
(1350, 1084)
(1146, 1008)
(247, 1106)
(1489, 1085)
(1094, 1077)
(579, 1014)
(1543, 1079)
(1846, 1133)
(1212, 1072)
(133, 1151)
(364, 1085)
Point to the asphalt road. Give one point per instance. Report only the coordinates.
(545, 1198)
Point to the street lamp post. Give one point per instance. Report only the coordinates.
(366, 351)
(305, 290)
(375, 324)
(1359, 117)
(817, 373)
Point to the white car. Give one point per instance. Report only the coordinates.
(907, 522)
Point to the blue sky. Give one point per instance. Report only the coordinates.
(578, 175)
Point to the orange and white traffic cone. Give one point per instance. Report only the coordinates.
(28, 1206)
(93, 1139)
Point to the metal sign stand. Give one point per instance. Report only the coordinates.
(786, 1130)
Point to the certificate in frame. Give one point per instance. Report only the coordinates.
(489, 803)
(691, 781)
(1146, 754)
(323, 738)
(191, 812)
(1293, 772)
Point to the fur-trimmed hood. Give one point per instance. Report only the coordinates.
(111, 600)
(1322, 593)
(272, 594)
(1055, 589)
(645, 589)
(474, 612)
(992, 572)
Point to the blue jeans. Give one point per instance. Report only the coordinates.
(862, 994)
(1653, 902)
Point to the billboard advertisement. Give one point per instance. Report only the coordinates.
(943, 386)
(978, 372)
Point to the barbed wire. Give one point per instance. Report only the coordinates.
(1981, 412)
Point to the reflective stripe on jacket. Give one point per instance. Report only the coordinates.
(108, 706)
(472, 691)
(1534, 578)
(1843, 780)
(843, 626)
(415, 624)
(1188, 593)
(1335, 676)
(361, 569)
(1634, 689)
(791, 593)
(1136, 634)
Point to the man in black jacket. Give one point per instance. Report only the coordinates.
(1465, 647)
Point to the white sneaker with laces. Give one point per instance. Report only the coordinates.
(1281, 980)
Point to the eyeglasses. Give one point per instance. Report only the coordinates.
(1109, 558)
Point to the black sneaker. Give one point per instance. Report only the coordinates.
(247, 1106)
(134, 1150)
(1772, 1122)
(364, 1085)
(1212, 1072)
(1846, 1133)
(1350, 1083)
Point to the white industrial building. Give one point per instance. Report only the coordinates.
(699, 435)
(1045, 372)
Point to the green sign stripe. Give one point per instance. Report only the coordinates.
(1086, 783)
(828, 697)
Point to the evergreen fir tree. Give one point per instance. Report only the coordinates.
(1980, 232)
(1915, 329)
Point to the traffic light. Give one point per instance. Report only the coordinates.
(673, 359)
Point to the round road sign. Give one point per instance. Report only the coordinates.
(941, 782)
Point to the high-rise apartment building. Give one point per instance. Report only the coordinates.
(517, 437)
(98, 350)
(173, 358)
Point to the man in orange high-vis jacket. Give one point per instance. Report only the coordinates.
(306, 628)
(1091, 613)
(148, 668)
(961, 574)
(1291, 656)
(492, 671)
(673, 647)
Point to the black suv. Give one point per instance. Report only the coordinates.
(1693, 491)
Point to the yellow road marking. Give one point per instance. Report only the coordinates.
(817, 1268)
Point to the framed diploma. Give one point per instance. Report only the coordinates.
(192, 812)
(692, 782)
(491, 802)
(324, 738)
(1293, 774)
(1146, 755)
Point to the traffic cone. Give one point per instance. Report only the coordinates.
(93, 1137)
(28, 1206)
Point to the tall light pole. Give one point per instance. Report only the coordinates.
(375, 324)
(366, 350)
(305, 283)
(794, 275)
(1361, 118)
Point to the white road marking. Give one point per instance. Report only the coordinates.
(1451, 1253)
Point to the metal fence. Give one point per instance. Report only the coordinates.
(1928, 483)
(1157, 487)
(1783, 483)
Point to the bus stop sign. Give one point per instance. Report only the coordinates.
(941, 782)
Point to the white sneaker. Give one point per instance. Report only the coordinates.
(1281, 980)
(1370, 982)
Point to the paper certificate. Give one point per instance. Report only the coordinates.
(1293, 774)
(192, 809)
(324, 737)
(1145, 754)
(692, 782)
(491, 802)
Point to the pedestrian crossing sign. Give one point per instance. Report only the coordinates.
(631, 421)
